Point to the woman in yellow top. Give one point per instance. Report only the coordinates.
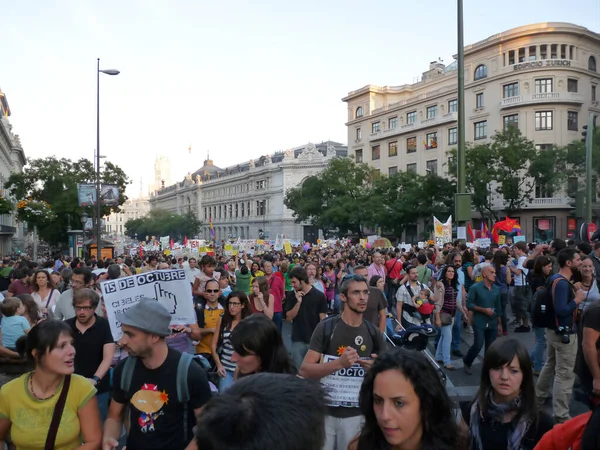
(27, 403)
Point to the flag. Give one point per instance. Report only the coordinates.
(470, 233)
(212, 229)
(486, 230)
(141, 251)
(185, 241)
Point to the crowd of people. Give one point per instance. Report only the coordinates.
(228, 381)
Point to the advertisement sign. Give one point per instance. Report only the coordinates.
(86, 194)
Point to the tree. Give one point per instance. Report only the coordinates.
(164, 223)
(55, 181)
(335, 199)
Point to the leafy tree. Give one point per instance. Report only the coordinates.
(164, 223)
(335, 199)
(55, 181)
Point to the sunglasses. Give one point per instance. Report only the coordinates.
(354, 277)
(212, 291)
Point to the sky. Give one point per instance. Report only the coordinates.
(238, 79)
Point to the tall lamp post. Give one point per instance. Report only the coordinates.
(84, 219)
(98, 200)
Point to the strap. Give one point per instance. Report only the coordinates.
(127, 374)
(373, 334)
(328, 329)
(183, 393)
(57, 414)
(49, 298)
(554, 283)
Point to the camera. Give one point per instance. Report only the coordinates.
(564, 333)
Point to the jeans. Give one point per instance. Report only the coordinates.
(481, 335)
(390, 294)
(336, 304)
(456, 331)
(299, 351)
(340, 432)
(504, 303)
(443, 347)
(103, 404)
(537, 356)
(278, 319)
(226, 382)
(557, 376)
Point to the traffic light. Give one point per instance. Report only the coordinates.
(584, 134)
(578, 204)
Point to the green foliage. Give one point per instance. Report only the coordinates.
(55, 181)
(163, 223)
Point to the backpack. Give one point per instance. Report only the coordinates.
(543, 315)
(330, 323)
(183, 393)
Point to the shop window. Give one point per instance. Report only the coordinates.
(543, 229)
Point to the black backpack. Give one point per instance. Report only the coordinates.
(543, 315)
(330, 323)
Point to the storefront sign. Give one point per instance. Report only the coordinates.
(542, 63)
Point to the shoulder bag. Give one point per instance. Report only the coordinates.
(57, 414)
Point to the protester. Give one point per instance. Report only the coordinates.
(376, 311)
(405, 406)
(542, 269)
(32, 312)
(587, 364)
(503, 281)
(44, 292)
(277, 291)
(20, 285)
(522, 292)
(80, 279)
(14, 325)
(579, 433)
(261, 300)
(28, 404)
(208, 311)
(504, 413)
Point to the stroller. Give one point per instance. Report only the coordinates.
(416, 338)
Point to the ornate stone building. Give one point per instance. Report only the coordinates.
(246, 200)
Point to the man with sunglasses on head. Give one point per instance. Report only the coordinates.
(208, 311)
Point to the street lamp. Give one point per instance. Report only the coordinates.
(98, 201)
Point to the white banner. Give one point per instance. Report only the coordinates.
(169, 287)
(343, 386)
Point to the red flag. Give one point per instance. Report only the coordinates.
(185, 241)
(141, 251)
(172, 243)
(470, 232)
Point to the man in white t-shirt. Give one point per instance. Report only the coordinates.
(522, 291)
(192, 271)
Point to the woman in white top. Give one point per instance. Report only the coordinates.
(589, 282)
(44, 292)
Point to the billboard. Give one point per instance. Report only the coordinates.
(109, 194)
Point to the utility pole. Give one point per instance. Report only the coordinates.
(588, 167)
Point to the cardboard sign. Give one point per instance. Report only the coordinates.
(288, 247)
(485, 242)
(169, 287)
(501, 239)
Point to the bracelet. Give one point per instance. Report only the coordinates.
(96, 379)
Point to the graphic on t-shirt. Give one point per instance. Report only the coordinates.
(149, 400)
(340, 350)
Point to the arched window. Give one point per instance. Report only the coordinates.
(359, 112)
(592, 64)
(480, 72)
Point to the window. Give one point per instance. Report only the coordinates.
(392, 123)
(452, 136)
(358, 134)
(236, 210)
(242, 210)
(572, 121)
(411, 117)
(571, 85)
(431, 111)
(554, 51)
(432, 167)
(431, 141)
(544, 229)
(392, 170)
(230, 211)
(205, 215)
(393, 148)
(411, 145)
(543, 120)
(592, 64)
(375, 152)
(375, 127)
(453, 106)
(358, 156)
(411, 167)
(481, 71)
(511, 57)
(593, 93)
(522, 54)
(543, 190)
(541, 147)
(261, 184)
(532, 52)
(249, 212)
(481, 130)
(479, 100)
(510, 90)
(512, 120)
(359, 112)
(543, 52)
(543, 85)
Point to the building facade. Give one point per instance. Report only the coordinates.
(542, 78)
(133, 208)
(246, 200)
(12, 160)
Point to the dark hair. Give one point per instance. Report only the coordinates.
(259, 335)
(114, 271)
(208, 260)
(87, 275)
(422, 258)
(44, 337)
(32, 310)
(345, 286)
(558, 244)
(564, 255)
(500, 353)
(244, 269)
(9, 306)
(540, 262)
(454, 281)
(585, 247)
(468, 256)
(263, 286)
(86, 294)
(500, 259)
(374, 279)
(298, 273)
(440, 431)
(246, 310)
(34, 280)
(248, 416)
(360, 267)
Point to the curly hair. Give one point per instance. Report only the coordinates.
(440, 430)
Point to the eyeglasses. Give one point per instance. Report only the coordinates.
(83, 308)
(353, 276)
(212, 291)
(235, 304)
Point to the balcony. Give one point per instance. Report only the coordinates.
(546, 97)
(415, 126)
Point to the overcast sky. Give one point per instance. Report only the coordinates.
(240, 79)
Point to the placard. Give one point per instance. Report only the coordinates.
(518, 239)
(485, 242)
(169, 287)
(501, 239)
(461, 233)
(343, 386)
(288, 247)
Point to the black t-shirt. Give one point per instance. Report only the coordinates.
(156, 413)
(89, 348)
(590, 319)
(313, 304)
(494, 436)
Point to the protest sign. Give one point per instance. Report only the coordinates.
(518, 239)
(442, 231)
(343, 386)
(485, 242)
(501, 239)
(288, 247)
(169, 287)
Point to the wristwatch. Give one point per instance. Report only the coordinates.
(96, 379)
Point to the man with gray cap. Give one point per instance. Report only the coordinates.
(149, 385)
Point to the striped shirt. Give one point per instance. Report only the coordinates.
(227, 352)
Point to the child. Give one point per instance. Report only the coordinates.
(425, 305)
(14, 325)
(207, 272)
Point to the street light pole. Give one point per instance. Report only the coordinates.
(98, 190)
